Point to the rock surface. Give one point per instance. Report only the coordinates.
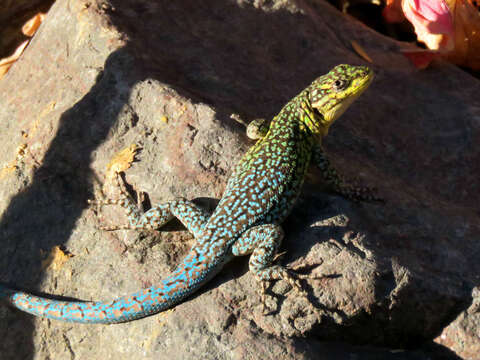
(99, 76)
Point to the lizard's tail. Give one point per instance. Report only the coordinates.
(185, 280)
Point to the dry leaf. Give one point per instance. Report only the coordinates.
(28, 29)
(21, 151)
(360, 51)
(123, 159)
(13, 165)
(7, 170)
(466, 19)
(32, 25)
(6, 63)
(56, 259)
(182, 111)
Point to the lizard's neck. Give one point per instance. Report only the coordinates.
(312, 119)
(298, 122)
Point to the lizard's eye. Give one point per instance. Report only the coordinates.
(339, 85)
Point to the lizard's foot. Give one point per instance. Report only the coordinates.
(278, 272)
(256, 129)
(193, 217)
(124, 200)
(262, 242)
(99, 203)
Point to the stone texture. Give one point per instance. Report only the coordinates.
(99, 76)
(463, 334)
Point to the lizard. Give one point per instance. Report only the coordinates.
(259, 195)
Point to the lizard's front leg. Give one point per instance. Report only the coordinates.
(256, 129)
(337, 183)
(190, 215)
(262, 242)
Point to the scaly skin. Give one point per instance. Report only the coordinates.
(259, 195)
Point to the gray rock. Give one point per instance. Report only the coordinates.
(100, 76)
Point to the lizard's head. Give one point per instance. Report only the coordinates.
(331, 94)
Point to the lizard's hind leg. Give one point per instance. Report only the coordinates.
(191, 216)
(262, 242)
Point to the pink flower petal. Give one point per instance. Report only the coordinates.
(432, 15)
